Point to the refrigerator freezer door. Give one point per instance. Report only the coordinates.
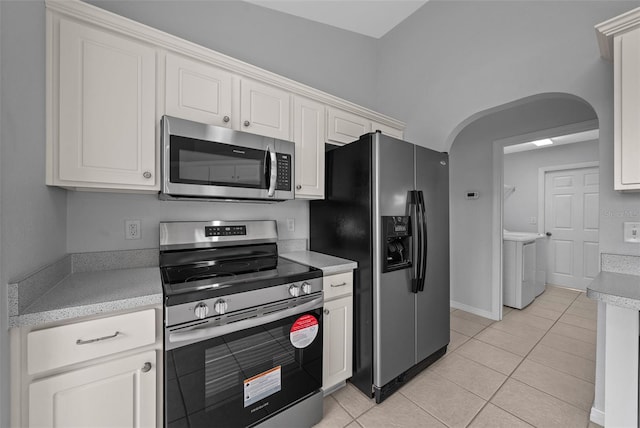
(432, 178)
(393, 302)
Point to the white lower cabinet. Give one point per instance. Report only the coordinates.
(337, 330)
(119, 393)
(95, 372)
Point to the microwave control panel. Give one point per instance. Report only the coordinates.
(283, 182)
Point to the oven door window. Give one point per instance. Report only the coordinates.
(242, 378)
(202, 162)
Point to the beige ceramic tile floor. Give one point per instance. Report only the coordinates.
(536, 367)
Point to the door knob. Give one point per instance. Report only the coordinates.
(226, 119)
(247, 123)
(548, 233)
(146, 367)
(146, 174)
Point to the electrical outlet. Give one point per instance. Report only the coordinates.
(132, 229)
(291, 225)
(631, 232)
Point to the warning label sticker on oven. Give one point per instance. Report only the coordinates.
(262, 385)
(303, 331)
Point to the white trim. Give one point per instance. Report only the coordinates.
(496, 230)
(597, 416)
(472, 310)
(88, 13)
(607, 30)
(542, 191)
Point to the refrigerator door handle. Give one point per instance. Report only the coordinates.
(417, 240)
(424, 242)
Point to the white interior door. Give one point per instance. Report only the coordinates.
(571, 216)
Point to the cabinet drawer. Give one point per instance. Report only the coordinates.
(337, 285)
(68, 344)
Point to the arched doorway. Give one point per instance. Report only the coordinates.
(475, 167)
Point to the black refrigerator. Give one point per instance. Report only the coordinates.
(386, 206)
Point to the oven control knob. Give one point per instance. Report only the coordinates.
(306, 288)
(201, 310)
(294, 290)
(220, 306)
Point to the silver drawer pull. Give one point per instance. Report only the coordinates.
(146, 367)
(85, 342)
(339, 285)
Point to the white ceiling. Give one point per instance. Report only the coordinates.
(578, 137)
(372, 18)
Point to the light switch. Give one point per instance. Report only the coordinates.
(632, 232)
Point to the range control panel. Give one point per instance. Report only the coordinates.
(225, 230)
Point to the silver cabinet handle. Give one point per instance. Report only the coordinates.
(326, 311)
(146, 174)
(339, 285)
(247, 123)
(85, 342)
(147, 366)
(226, 119)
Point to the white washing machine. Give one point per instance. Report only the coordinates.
(520, 273)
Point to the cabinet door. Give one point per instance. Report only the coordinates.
(308, 134)
(387, 130)
(265, 110)
(344, 127)
(106, 109)
(627, 110)
(197, 91)
(337, 341)
(119, 393)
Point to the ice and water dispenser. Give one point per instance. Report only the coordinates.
(396, 243)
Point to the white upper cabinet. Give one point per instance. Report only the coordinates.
(627, 110)
(197, 91)
(344, 127)
(265, 110)
(619, 40)
(103, 108)
(111, 79)
(308, 135)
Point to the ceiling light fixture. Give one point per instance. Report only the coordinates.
(545, 142)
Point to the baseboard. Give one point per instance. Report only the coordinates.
(597, 416)
(471, 309)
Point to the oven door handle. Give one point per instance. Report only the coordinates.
(202, 332)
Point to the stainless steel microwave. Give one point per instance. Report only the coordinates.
(208, 162)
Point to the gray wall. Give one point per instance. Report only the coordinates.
(33, 217)
(451, 62)
(95, 221)
(336, 61)
(521, 170)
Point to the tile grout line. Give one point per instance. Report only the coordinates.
(516, 368)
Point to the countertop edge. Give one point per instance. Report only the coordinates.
(329, 264)
(70, 313)
(616, 289)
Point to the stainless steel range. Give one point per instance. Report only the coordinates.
(243, 328)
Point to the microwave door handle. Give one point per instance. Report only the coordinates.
(274, 172)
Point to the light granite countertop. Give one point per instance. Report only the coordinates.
(86, 284)
(328, 264)
(617, 289)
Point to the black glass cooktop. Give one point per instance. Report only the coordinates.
(191, 283)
